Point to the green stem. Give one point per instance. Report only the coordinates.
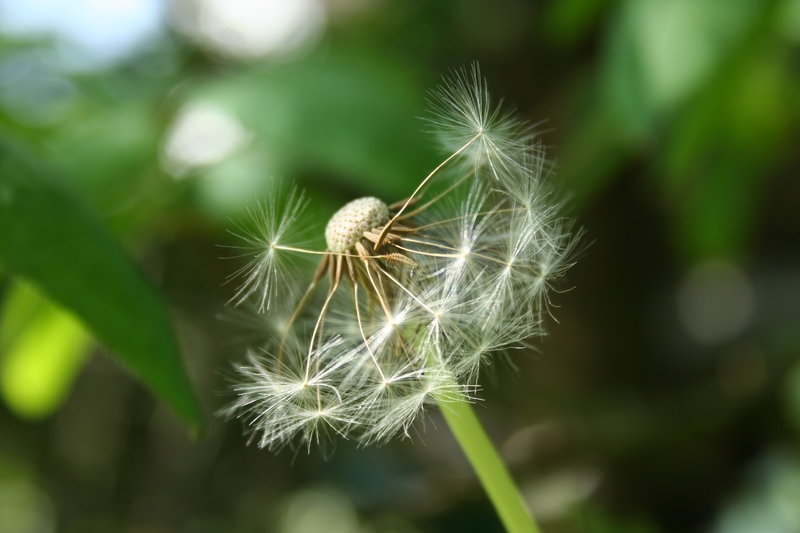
(493, 474)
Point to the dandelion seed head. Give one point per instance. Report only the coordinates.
(347, 226)
(410, 301)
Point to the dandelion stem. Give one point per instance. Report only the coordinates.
(491, 471)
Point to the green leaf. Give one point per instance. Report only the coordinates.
(43, 346)
(352, 118)
(50, 238)
(716, 164)
(566, 22)
(658, 54)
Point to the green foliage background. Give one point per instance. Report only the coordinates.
(674, 130)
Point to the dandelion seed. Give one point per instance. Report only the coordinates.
(419, 294)
(275, 225)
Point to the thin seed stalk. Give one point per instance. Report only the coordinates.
(491, 471)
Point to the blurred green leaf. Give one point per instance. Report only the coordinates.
(568, 21)
(51, 239)
(43, 347)
(108, 150)
(718, 158)
(659, 53)
(343, 114)
(117, 138)
(788, 20)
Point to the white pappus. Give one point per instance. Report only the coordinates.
(410, 299)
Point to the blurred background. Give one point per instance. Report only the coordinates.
(666, 397)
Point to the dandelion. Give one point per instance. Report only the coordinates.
(419, 295)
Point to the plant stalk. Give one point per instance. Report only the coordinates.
(491, 471)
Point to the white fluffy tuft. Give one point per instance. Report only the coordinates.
(470, 277)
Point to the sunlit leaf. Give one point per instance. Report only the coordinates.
(51, 239)
(42, 348)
